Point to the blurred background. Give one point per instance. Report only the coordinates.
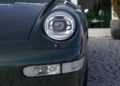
(98, 12)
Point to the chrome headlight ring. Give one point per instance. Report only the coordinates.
(59, 25)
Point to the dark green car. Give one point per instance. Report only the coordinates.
(42, 43)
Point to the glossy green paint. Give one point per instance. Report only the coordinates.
(16, 53)
(25, 44)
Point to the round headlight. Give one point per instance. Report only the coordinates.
(59, 25)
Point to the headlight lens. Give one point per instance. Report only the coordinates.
(59, 25)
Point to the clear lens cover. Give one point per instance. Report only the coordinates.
(59, 25)
(43, 70)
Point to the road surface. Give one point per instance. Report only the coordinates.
(104, 62)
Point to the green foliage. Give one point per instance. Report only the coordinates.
(116, 7)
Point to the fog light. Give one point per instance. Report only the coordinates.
(43, 70)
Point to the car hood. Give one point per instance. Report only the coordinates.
(17, 19)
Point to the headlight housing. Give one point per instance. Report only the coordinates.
(59, 25)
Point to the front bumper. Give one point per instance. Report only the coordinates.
(17, 53)
(13, 76)
(17, 58)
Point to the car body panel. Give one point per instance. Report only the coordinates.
(16, 78)
(18, 53)
(17, 20)
(24, 43)
(38, 38)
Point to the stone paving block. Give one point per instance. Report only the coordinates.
(104, 62)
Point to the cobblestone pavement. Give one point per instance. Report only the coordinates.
(104, 62)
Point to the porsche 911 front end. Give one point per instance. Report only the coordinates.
(42, 43)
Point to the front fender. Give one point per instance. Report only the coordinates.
(38, 39)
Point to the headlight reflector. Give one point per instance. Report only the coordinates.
(59, 25)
